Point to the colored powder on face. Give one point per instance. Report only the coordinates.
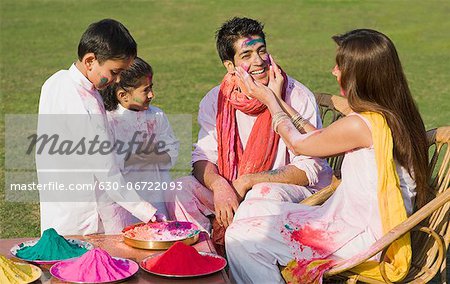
(251, 41)
(268, 61)
(162, 231)
(94, 266)
(10, 272)
(51, 246)
(137, 100)
(103, 81)
(181, 259)
(245, 67)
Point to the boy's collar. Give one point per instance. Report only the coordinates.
(80, 79)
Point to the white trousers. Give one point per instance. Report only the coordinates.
(194, 202)
(254, 245)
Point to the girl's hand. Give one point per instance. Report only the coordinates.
(276, 79)
(255, 89)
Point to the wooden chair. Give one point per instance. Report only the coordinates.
(429, 226)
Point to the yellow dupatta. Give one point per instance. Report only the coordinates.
(392, 213)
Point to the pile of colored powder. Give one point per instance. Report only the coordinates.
(94, 266)
(51, 246)
(181, 259)
(13, 273)
(162, 231)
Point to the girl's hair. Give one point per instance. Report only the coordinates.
(129, 79)
(373, 79)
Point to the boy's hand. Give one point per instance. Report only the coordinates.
(158, 217)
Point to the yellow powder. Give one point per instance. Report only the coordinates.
(13, 273)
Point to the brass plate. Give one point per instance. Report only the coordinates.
(158, 245)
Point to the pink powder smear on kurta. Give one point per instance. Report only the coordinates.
(151, 127)
(94, 266)
(318, 240)
(265, 190)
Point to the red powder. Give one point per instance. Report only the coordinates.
(318, 240)
(181, 259)
(265, 190)
(310, 271)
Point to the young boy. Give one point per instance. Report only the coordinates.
(92, 196)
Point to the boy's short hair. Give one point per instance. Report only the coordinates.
(231, 31)
(107, 39)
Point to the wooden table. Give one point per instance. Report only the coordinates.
(115, 246)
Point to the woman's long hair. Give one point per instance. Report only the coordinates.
(129, 79)
(373, 80)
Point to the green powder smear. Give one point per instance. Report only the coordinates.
(51, 246)
(103, 81)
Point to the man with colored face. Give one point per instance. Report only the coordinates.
(238, 155)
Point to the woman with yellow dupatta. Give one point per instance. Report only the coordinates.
(386, 156)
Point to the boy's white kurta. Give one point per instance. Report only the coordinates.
(195, 201)
(259, 238)
(152, 177)
(70, 104)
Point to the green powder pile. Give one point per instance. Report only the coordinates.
(51, 246)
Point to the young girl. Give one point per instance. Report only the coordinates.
(133, 119)
(386, 161)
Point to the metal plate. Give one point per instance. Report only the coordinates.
(190, 239)
(31, 243)
(54, 271)
(216, 269)
(36, 272)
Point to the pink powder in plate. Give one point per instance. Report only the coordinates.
(161, 231)
(94, 266)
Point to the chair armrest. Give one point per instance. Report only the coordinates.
(392, 235)
(322, 195)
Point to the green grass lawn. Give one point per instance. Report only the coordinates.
(40, 37)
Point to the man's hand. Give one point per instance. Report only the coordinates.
(243, 184)
(225, 203)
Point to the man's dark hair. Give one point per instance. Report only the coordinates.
(107, 39)
(233, 30)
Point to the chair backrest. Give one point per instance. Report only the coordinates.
(331, 109)
(426, 260)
